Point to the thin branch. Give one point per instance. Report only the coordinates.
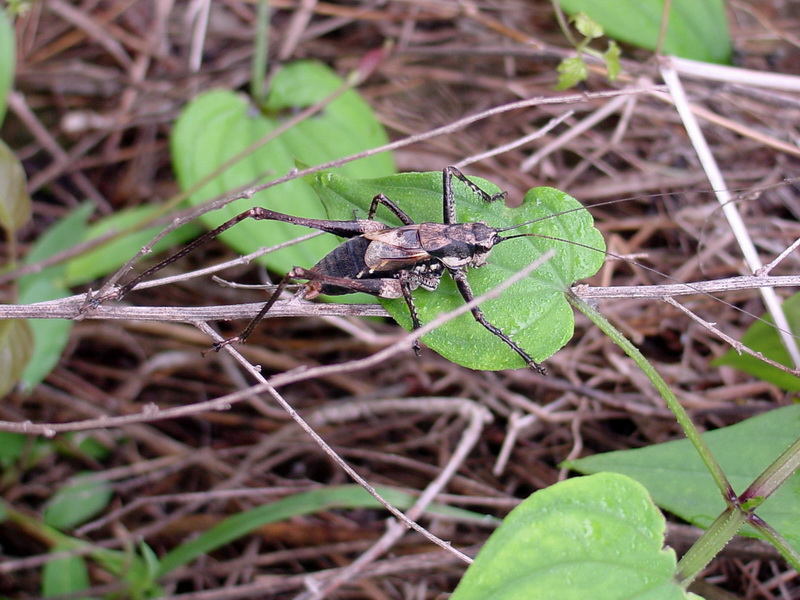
(735, 344)
(72, 307)
(478, 417)
(729, 208)
(152, 413)
(717, 286)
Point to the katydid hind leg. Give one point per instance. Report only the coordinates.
(319, 283)
(186, 250)
(242, 337)
(346, 229)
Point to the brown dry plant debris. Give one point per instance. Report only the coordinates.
(98, 88)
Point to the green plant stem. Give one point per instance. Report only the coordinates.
(775, 475)
(661, 386)
(662, 33)
(740, 509)
(709, 544)
(701, 554)
(260, 54)
(564, 25)
(788, 551)
(37, 529)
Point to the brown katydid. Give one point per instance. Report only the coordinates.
(380, 259)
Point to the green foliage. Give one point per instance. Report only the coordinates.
(8, 59)
(55, 281)
(107, 258)
(15, 204)
(573, 70)
(50, 335)
(64, 575)
(77, 502)
(697, 29)
(16, 347)
(598, 537)
(18, 453)
(220, 125)
(135, 568)
(533, 312)
(304, 503)
(16, 337)
(679, 482)
(12, 447)
(763, 337)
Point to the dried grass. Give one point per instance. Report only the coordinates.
(99, 88)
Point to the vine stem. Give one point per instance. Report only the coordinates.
(728, 524)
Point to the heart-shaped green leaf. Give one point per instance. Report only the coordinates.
(598, 537)
(533, 312)
(219, 125)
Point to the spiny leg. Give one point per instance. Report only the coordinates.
(242, 337)
(396, 210)
(449, 199)
(405, 287)
(317, 283)
(346, 229)
(206, 237)
(460, 277)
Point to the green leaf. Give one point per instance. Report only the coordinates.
(680, 483)
(16, 348)
(77, 502)
(763, 337)
(219, 125)
(12, 446)
(611, 58)
(23, 451)
(596, 537)
(65, 575)
(533, 312)
(88, 446)
(109, 257)
(137, 569)
(571, 71)
(587, 27)
(58, 238)
(8, 59)
(50, 335)
(304, 503)
(15, 203)
(697, 29)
